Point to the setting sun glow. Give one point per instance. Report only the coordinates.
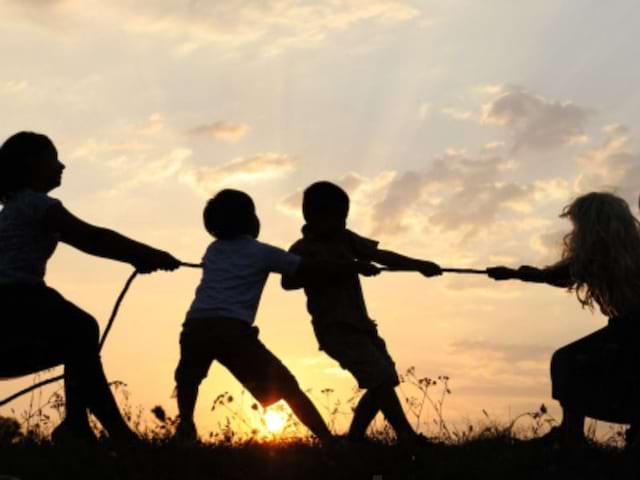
(275, 421)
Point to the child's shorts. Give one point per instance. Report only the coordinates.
(361, 352)
(235, 344)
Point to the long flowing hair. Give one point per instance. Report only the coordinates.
(603, 250)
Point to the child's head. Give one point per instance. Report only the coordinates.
(604, 250)
(28, 160)
(231, 214)
(325, 207)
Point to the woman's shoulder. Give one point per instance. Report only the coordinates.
(31, 197)
(31, 202)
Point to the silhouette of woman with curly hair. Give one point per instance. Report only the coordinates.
(597, 376)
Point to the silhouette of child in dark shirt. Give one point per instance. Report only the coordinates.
(339, 315)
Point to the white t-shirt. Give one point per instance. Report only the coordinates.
(234, 275)
(25, 245)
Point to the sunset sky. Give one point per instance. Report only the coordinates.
(460, 129)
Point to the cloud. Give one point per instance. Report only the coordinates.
(456, 192)
(404, 191)
(549, 244)
(226, 131)
(359, 188)
(276, 24)
(149, 152)
(611, 166)
(423, 110)
(270, 25)
(263, 166)
(13, 87)
(506, 352)
(534, 122)
(457, 114)
(49, 14)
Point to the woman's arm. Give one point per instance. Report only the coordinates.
(102, 242)
(558, 275)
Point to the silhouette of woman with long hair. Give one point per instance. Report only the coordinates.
(597, 376)
(40, 329)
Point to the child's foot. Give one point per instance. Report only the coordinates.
(74, 436)
(414, 442)
(186, 434)
(359, 440)
(125, 441)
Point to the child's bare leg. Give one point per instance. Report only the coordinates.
(308, 414)
(187, 395)
(364, 413)
(392, 410)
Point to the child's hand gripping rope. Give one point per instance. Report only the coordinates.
(161, 262)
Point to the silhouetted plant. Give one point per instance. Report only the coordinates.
(9, 431)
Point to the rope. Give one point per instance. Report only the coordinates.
(116, 309)
(445, 270)
(464, 270)
(105, 334)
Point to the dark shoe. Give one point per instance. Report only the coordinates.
(551, 439)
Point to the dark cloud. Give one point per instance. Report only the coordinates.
(403, 192)
(455, 192)
(534, 122)
(612, 166)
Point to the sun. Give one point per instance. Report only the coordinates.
(275, 420)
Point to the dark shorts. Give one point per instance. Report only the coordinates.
(599, 375)
(361, 352)
(235, 344)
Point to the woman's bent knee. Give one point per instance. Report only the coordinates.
(559, 361)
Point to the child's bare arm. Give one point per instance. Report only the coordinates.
(398, 262)
(106, 243)
(292, 282)
(321, 271)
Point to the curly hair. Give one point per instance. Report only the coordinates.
(603, 250)
(17, 156)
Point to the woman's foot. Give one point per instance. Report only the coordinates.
(632, 437)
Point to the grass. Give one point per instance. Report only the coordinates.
(241, 448)
(482, 458)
